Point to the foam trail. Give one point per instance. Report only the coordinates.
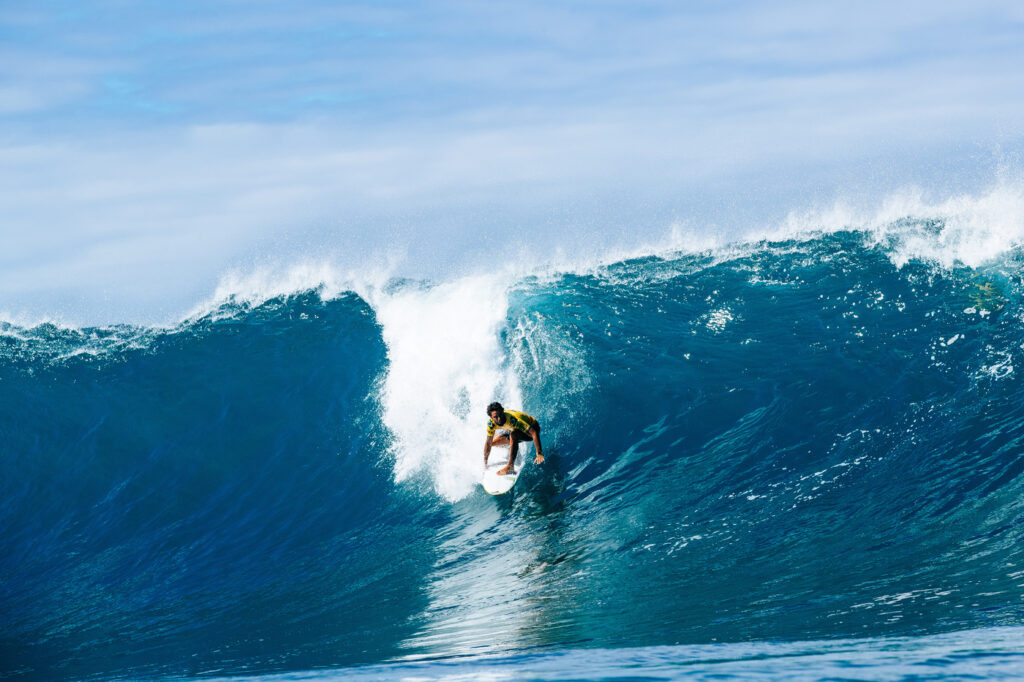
(445, 364)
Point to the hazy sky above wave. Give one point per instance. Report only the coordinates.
(148, 148)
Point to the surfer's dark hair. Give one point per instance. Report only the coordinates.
(494, 407)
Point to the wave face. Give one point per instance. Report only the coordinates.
(802, 439)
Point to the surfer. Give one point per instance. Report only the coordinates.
(513, 428)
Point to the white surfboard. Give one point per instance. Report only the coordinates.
(495, 484)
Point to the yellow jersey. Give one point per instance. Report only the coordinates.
(519, 421)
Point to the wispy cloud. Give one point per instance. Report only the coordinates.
(171, 141)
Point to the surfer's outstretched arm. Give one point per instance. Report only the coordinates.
(535, 434)
(487, 450)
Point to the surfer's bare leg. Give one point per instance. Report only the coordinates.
(512, 451)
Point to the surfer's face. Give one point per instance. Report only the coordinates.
(498, 417)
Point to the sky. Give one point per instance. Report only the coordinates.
(148, 150)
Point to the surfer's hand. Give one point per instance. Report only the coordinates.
(538, 459)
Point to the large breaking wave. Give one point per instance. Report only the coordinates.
(813, 436)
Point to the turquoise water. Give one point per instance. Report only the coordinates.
(790, 458)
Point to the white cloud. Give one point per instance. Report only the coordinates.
(368, 126)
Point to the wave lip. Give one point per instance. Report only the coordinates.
(965, 230)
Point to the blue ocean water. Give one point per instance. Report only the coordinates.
(789, 458)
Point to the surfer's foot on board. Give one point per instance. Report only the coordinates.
(507, 470)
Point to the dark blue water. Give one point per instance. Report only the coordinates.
(784, 444)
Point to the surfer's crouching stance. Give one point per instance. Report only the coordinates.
(512, 426)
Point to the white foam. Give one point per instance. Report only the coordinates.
(680, 238)
(962, 230)
(27, 321)
(445, 365)
(260, 284)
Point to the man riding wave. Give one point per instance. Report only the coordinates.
(513, 427)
